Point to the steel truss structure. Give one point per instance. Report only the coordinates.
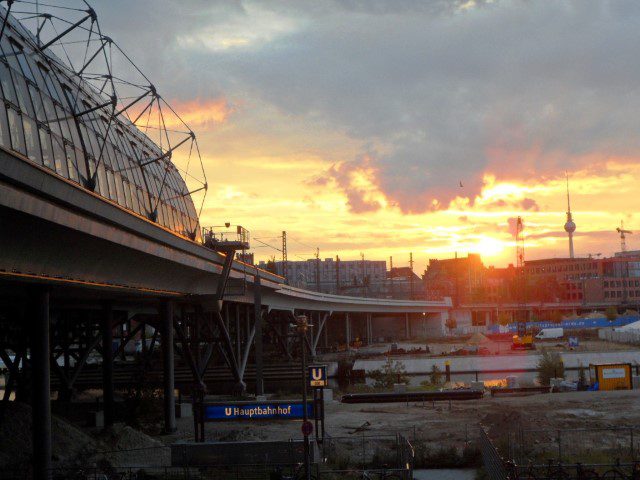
(75, 103)
(106, 345)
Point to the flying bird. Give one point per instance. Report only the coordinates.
(461, 184)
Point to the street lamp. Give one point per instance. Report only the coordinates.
(302, 326)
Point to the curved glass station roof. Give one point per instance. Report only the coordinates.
(61, 122)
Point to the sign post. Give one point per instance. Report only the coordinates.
(302, 330)
(314, 377)
(318, 379)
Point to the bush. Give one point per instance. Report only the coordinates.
(504, 319)
(451, 323)
(391, 372)
(550, 366)
(582, 378)
(360, 388)
(425, 385)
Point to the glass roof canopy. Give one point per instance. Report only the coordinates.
(86, 123)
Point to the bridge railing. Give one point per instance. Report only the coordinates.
(237, 237)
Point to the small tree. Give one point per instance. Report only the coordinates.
(504, 319)
(436, 375)
(391, 372)
(451, 324)
(582, 378)
(611, 313)
(550, 366)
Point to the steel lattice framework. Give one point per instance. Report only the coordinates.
(75, 103)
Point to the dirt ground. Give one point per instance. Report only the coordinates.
(519, 425)
(575, 426)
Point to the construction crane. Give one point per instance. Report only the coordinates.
(523, 340)
(623, 237)
(284, 257)
(411, 273)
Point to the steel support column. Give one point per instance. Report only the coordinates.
(322, 320)
(257, 305)
(41, 408)
(347, 324)
(326, 333)
(237, 330)
(407, 329)
(107, 364)
(168, 359)
(369, 329)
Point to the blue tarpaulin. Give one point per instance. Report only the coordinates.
(575, 324)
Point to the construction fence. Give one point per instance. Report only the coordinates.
(609, 454)
(385, 457)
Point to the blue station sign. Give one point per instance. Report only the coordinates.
(256, 411)
(318, 376)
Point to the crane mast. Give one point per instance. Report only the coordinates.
(623, 236)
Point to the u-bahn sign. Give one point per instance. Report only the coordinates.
(318, 376)
(255, 411)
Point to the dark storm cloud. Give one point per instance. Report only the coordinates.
(443, 94)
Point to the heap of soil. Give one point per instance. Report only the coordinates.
(69, 443)
(127, 447)
(121, 446)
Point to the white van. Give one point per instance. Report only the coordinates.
(550, 333)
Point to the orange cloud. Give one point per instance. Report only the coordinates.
(197, 114)
(200, 113)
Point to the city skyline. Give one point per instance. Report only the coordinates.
(354, 151)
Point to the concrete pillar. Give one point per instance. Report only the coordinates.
(407, 329)
(312, 350)
(40, 354)
(347, 323)
(257, 305)
(107, 364)
(168, 359)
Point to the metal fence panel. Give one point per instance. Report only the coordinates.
(494, 464)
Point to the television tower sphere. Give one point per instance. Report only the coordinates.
(570, 226)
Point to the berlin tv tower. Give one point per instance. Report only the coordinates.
(569, 226)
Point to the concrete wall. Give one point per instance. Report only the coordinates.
(631, 337)
(430, 326)
(502, 362)
(387, 327)
(463, 322)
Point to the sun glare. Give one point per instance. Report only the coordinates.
(489, 247)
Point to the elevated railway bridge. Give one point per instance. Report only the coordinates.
(101, 245)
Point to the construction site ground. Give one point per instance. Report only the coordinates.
(576, 425)
(506, 419)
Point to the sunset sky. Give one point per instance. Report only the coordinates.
(351, 124)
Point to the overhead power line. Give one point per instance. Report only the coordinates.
(267, 245)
